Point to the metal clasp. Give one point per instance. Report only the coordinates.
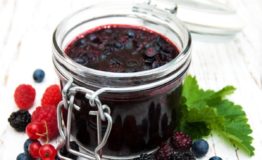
(103, 114)
(169, 5)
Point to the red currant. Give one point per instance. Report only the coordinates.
(34, 149)
(47, 152)
(35, 130)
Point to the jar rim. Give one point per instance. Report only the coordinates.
(176, 63)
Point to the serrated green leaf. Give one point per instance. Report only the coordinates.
(212, 111)
(236, 127)
(196, 130)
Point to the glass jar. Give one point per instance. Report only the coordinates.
(119, 115)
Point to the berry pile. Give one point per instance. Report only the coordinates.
(33, 149)
(180, 147)
(42, 124)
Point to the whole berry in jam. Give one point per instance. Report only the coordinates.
(24, 96)
(181, 141)
(200, 148)
(38, 75)
(48, 116)
(164, 152)
(23, 156)
(182, 156)
(35, 130)
(215, 158)
(52, 96)
(19, 120)
(47, 151)
(145, 156)
(73, 145)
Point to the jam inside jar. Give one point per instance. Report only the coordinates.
(137, 56)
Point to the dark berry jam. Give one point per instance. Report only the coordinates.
(141, 120)
(120, 48)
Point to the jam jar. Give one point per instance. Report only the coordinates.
(119, 114)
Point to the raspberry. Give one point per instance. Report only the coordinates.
(164, 152)
(183, 156)
(181, 141)
(24, 96)
(47, 115)
(52, 96)
(19, 120)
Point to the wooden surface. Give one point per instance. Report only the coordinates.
(26, 28)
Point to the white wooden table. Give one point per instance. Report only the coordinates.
(26, 28)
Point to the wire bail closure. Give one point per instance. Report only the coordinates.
(102, 114)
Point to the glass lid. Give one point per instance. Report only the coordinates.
(206, 17)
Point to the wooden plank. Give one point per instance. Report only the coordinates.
(25, 44)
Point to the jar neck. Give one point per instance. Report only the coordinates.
(137, 15)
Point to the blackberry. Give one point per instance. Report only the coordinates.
(19, 120)
(164, 152)
(181, 141)
(183, 156)
(65, 153)
(145, 157)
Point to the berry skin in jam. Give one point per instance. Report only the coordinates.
(121, 48)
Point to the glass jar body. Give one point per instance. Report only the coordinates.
(141, 120)
(142, 103)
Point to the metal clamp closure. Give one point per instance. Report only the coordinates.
(102, 113)
(169, 5)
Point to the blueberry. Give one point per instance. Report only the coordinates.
(94, 38)
(80, 43)
(23, 156)
(38, 75)
(131, 34)
(26, 144)
(200, 148)
(215, 158)
(118, 45)
(80, 60)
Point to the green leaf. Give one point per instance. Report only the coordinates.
(236, 127)
(203, 111)
(196, 130)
